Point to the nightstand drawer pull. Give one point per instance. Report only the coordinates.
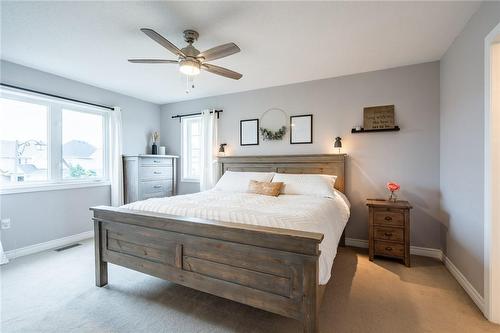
(388, 234)
(388, 218)
(157, 172)
(157, 186)
(388, 248)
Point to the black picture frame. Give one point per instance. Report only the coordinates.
(256, 143)
(292, 142)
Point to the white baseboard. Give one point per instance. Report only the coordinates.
(462, 280)
(24, 251)
(437, 254)
(416, 250)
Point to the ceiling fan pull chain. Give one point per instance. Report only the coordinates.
(189, 83)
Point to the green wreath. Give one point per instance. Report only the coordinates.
(269, 135)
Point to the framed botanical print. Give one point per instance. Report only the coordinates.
(301, 129)
(249, 132)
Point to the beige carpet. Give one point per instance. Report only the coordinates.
(55, 292)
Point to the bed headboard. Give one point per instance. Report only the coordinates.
(324, 163)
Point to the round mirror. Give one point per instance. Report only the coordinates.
(273, 124)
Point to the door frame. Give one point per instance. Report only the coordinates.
(491, 228)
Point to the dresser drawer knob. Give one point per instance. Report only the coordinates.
(157, 186)
(388, 248)
(156, 161)
(388, 234)
(388, 218)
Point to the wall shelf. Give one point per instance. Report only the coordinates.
(395, 129)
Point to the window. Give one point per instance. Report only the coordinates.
(23, 141)
(82, 145)
(191, 149)
(50, 141)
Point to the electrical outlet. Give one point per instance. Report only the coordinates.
(5, 223)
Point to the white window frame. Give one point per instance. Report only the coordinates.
(54, 125)
(184, 156)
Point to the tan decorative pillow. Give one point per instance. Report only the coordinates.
(265, 188)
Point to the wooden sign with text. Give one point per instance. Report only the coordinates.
(378, 117)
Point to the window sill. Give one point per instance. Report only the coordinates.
(25, 188)
(188, 180)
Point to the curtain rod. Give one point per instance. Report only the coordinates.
(56, 96)
(180, 116)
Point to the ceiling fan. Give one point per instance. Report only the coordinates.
(190, 60)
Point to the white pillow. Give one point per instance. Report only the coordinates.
(307, 184)
(234, 181)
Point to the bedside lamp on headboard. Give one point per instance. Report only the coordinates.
(338, 143)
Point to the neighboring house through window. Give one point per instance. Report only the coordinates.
(191, 149)
(47, 140)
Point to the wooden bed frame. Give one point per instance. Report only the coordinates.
(268, 268)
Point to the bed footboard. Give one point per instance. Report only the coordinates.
(268, 268)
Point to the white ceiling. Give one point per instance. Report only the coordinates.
(281, 42)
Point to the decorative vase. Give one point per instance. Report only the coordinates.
(393, 197)
(154, 149)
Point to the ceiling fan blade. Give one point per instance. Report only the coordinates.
(220, 51)
(162, 41)
(222, 71)
(152, 61)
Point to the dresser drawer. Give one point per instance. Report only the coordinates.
(155, 161)
(155, 186)
(389, 249)
(389, 217)
(387, 233)
(155, 172)
(156, 195)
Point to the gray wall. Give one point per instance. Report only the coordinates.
(462, 144)
(42, 216)
(410, 157)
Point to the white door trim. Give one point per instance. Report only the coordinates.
(491, 228)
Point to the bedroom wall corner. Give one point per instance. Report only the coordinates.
(462, 144)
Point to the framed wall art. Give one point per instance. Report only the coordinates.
(301, 129)
(249, 132)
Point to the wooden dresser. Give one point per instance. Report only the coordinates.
(389, 229)
(149, 176)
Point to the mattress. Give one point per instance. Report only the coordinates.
(298, 212)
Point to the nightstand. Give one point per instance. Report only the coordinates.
(389, 229)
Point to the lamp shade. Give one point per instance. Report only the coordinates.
(338, 142)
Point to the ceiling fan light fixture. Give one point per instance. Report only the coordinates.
(189, 67)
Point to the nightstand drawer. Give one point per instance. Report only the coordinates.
(386, 233)
(389, 249)
(389, 217)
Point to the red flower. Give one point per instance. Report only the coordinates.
(392, 186)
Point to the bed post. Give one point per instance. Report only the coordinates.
(101, 266)
(311, 297)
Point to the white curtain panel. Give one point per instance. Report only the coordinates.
(209, 166)
(115, 156)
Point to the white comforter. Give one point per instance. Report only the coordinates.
(299, 212)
